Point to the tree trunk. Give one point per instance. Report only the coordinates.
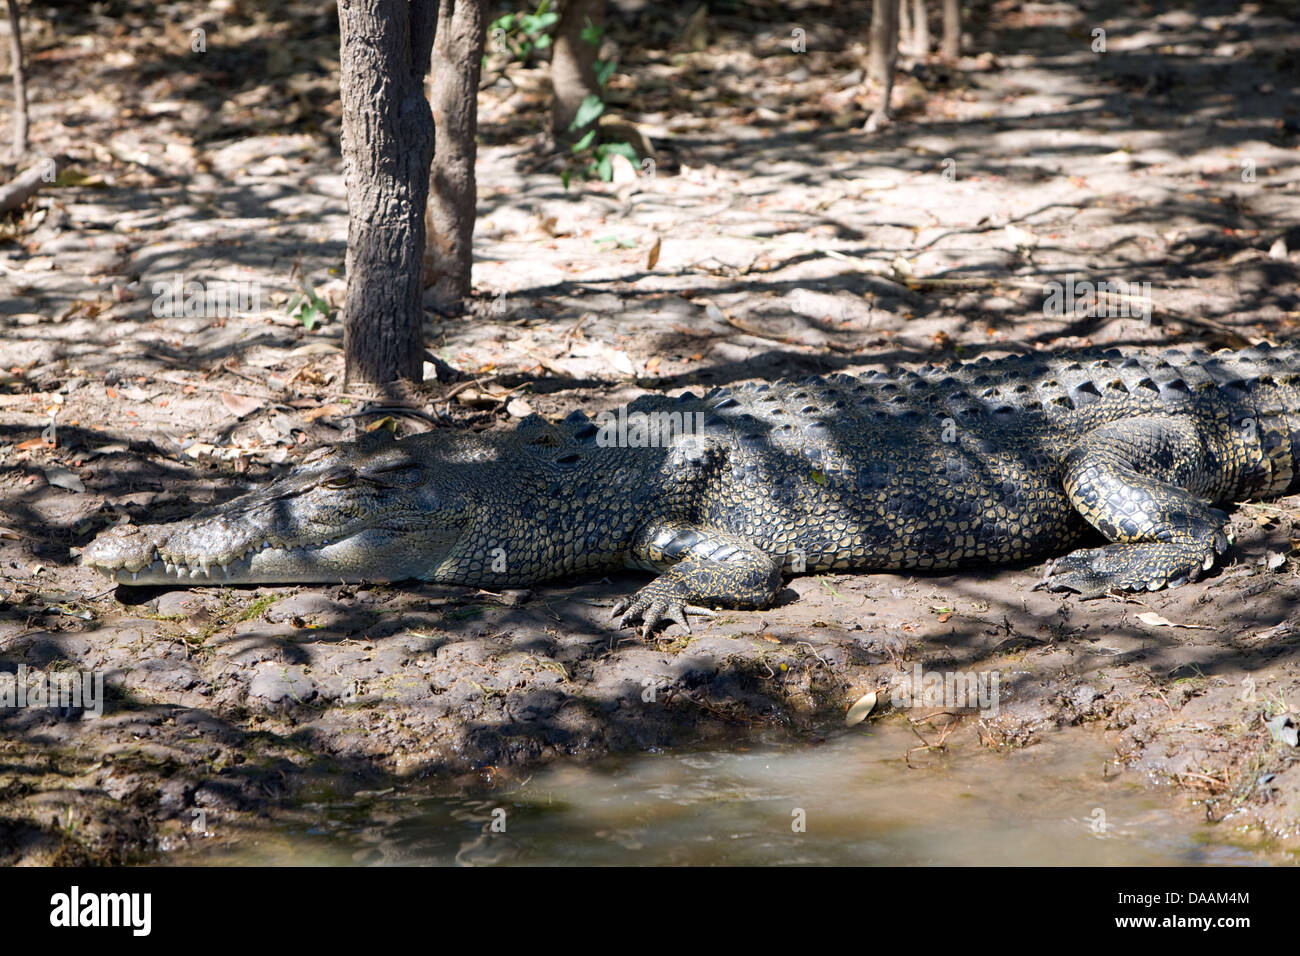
(19, 148)
(905, 26)
(950, 48)
(883, 57)
(573, 77)
(920, 29)
(453, 94)
(387, 148)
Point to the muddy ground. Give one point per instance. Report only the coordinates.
(789, 242)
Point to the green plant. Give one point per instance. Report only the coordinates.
(308, 308)
(520, 33)
(599, 156)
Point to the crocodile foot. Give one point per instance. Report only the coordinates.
(659, 602)
(1145, 566)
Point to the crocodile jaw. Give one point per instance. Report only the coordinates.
(147, 556)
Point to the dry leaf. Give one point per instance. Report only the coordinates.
(863, 706)
(1023, 238)
(1155, 620)
(315, 348)
(622, 362)
(622, 171)
(331, 409)
(652, 259)
(63, 478)
(112, 448)
(240, 405)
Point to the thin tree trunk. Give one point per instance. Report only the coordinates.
(905, 26)
(453, 94)
(573, 77)
(387, 148)
(883, 57)
(19, 148)
(920, 29)
(950, 48)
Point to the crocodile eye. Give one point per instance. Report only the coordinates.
(339, 477)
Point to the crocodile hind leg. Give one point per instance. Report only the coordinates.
(1143, 483)
(700, 567)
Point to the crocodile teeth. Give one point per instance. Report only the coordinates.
(226, 570)
(135, 575)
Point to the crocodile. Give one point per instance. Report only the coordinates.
(966, 465)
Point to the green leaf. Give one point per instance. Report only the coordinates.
(623, 149)
(591, 34)
(543, 41)
(606, 168)
(603, 71)
(591, 108)
(583, 143)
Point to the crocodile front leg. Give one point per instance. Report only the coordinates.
(700, 567)
(1144, 483)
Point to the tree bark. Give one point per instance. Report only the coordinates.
(19, 148)
(453, 94)
(387, 148)
(905, 26)
(573, 76)
(920, 29)
(883, 57)
(950, 47)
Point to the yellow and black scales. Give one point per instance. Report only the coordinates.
(968, 465)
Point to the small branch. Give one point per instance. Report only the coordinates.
(22, 187)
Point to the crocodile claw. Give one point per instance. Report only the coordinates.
(654, 605)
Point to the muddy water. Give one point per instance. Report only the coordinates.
(857, 801)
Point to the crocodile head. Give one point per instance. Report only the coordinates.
(373, 511)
